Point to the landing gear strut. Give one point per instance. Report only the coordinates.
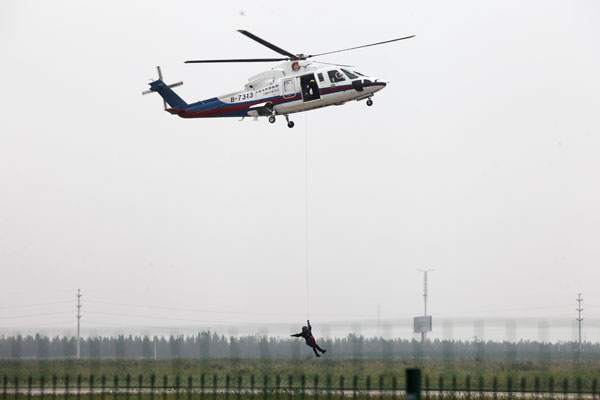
(290, 123)
(272, 119)
(369, 102)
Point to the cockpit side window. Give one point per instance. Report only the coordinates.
(335, 76)
(349, 74)
(320, 75)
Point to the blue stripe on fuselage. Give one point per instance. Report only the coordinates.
(214, 103)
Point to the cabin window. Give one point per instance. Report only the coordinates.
(335, 76)
(349, 74)
(320, 75)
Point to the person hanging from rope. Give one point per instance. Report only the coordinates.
(310, 339)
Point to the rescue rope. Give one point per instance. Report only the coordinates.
(306, 204)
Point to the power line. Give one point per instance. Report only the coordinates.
(37, 304)
(153, 307)
(36, 315)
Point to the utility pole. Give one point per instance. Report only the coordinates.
(78, 319)
(425, 271)
(155, 347)
(579, 320)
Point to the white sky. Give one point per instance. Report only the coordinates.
(480, 160)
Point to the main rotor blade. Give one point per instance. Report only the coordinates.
(267, 44)
(341, 65)
(360, 47)
(235, 60)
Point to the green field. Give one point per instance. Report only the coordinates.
(309, 373)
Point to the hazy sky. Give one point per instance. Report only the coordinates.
(481, 160)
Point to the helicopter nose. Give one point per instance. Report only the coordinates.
(378, 85)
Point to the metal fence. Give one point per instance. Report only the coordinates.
(311, 385)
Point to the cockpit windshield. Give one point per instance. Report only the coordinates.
(358, 73)
(349, 74)
(335, 76)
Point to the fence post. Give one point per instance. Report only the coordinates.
(316, 385)
(495, 387)
(536, 386)
(189, 387)
(480, 383)
(215, 382)
(354, 386)
(239, 387)
(454, 386)
(290, 385)
(551, 386)
(165, 384)
(29, 386)
(509, 387)
(152, 385)
(116, 387)
(303, 385)
(252, 383)
(594, 388)
(140, 386)
(67, 382)
(16, 387)
(566, 388)
(277, 385)
(342, 379)
(394, 387)
(42, 386)
(441, 386)
(177, 386)
(579, 384)
(79, 380)
(127, 385)
(468, 386)
(91, 385)
(413, 384)
(380, 386)
(227, 384)
(4, 387)
(102, 385)
(202, 385)
(265, 385)
(427, 387)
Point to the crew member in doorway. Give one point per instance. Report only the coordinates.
(310, 339)
(312, 89)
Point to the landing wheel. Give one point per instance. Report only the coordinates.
(272, 119)
(369, 102)
(290, 124)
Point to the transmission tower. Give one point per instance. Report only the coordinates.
(579, 320)
(425, 271)
(78, 319)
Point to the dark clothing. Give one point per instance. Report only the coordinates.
(310, 340)
(307, 335)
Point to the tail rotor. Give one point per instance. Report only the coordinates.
(160, 78)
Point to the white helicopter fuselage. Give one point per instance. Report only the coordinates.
(291, 87)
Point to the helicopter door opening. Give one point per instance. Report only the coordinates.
(288, 88)
(310, 89)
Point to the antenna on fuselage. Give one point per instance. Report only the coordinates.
(160, 78)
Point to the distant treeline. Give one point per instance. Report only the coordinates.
(213, 345)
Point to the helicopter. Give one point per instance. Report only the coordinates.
(295, 85)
